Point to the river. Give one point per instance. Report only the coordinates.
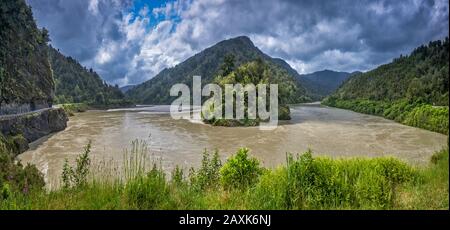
(326, 131)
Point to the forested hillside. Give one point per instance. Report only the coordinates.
(25, 75)
(207, 64)
(421, 76)
(75, 83)
(412, 89)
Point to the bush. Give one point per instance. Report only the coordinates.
(240, 171)
(323, 183)
(177, 175)
(72, 108)
(6, 192)
(412, 113)
(14, 177)
(208, 174)
(429, 117)
(77, 177)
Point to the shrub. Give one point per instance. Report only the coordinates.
(6, 192)
(76, 177)
(240, 171)
(208, 174)
(429, 117)
(441, 156)
(72, 108)
(325, 183)
(16, 177)
(177, 175)
(412, 113)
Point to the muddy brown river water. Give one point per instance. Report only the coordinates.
(326, 131)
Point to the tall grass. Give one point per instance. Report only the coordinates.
(304, 182)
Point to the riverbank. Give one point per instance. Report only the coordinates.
(433, 118)
(72, 108)
(303, 182)
(19, 130)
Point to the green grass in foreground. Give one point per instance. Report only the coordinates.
(305, 182)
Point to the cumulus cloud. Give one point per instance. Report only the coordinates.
(130, 46)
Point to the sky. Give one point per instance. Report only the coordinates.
(128, 42)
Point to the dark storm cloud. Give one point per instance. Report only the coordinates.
(79, 28)
(311, 35)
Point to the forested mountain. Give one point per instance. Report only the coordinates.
(421, 76)
(27, 64)
(75, 83)
(322, 83)
(25, 75)
(411, 89)
(207, 64)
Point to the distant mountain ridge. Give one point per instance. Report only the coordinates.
(125, 88)
(322, 83)
(207, 64)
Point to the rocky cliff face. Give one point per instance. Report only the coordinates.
(26, 79)
(19, 130)
(25, 74)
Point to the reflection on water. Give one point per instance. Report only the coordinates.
(328, 131)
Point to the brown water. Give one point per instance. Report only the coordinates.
(327, 131)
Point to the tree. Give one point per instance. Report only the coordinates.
(45, 35)
(100, 99)
(415, 90)
(228, 64)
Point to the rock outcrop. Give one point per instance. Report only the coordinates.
(22, 129)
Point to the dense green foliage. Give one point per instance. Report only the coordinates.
(305, 182)
(412, 89)
(256, 72)
(33, 72)
(14, 177)
(76, 177)
(434, 118)
(71, 108)
(207, 64)
(420, 77)
(429, 117)
(76, 84)
(207, 175)
(25, 73)
(240, 171)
